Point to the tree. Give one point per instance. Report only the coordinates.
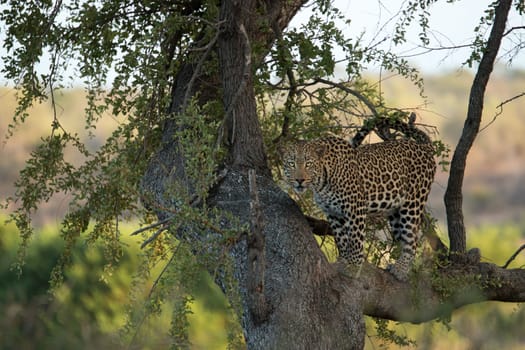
(188, 78)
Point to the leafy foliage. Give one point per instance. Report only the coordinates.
(390, 336)
(142, 45)
(292, 100)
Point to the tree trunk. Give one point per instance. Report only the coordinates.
(301, 309)
(242, 132)
(453, 194)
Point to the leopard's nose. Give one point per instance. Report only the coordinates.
(299, 181)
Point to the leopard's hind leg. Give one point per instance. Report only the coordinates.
(404, 223)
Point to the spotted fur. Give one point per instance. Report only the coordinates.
(392, 178)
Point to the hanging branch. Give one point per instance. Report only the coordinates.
(152, 226)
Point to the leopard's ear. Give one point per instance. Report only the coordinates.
(320, 150)
(283, 145)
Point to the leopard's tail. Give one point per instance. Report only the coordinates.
(383, 127)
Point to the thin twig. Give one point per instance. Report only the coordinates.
(440, 48)
(500, 109)
(513, 28)
(149, 227)
(513, 256)
(154, 236)
(155, 283)
(353, 92)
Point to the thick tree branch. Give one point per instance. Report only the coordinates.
(453, 194)
(454, 286)
(241, 124)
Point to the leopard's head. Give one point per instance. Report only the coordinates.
(303, 164)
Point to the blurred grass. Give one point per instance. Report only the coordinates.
(90, 309)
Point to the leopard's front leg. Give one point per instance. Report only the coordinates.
(349, 238)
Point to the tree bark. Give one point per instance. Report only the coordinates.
(453, 194)
(300, 308)
(306, 309)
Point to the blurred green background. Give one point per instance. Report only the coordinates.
(91, 308)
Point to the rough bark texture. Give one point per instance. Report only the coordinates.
(307, 310)
(420, 300)
(453, 194)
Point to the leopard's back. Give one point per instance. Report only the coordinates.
(383, 175)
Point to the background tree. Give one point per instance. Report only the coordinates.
(195, 82)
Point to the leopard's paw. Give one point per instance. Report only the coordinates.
(399, 272)
(350, 270)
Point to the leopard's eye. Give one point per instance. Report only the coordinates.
(309, 163)
(290, 163)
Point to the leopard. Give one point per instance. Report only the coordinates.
(392, 178)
